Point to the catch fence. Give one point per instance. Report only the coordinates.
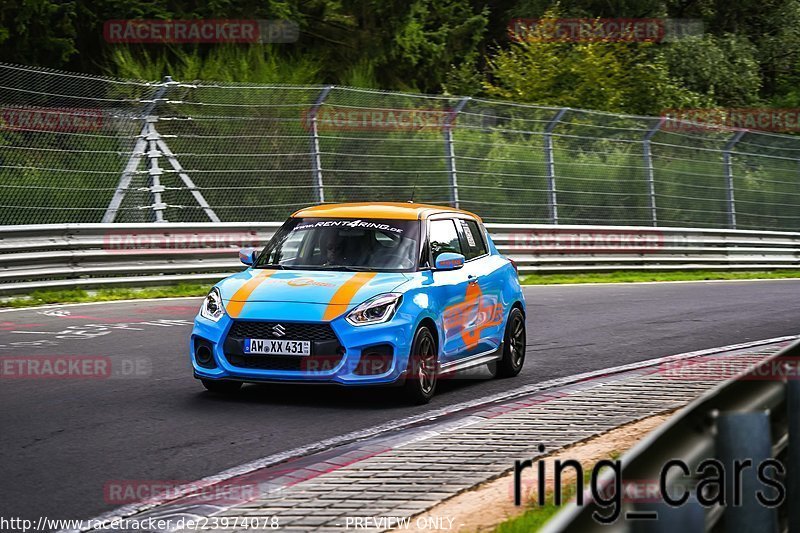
(87, 149)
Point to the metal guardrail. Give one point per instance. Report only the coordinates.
(92, 255)
(751, 417)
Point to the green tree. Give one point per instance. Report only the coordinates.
(405, 44)
(607, 76)
(38, 32)
(725, 68)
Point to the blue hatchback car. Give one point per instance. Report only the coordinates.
(364, 294)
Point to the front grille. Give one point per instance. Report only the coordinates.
(326, 352)
(296, 331)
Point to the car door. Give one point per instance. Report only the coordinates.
(449, 287)
(485, 330)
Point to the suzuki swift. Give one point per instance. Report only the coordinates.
(364, 294)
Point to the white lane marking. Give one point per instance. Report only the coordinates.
(88, 331)
(55, 312)
(130, 509)
(107, 302)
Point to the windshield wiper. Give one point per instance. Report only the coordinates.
(356, 268)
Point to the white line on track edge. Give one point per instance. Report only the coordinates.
(75, 304)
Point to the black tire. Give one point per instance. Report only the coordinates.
(221, 386)
(421, 376)
(514, 340)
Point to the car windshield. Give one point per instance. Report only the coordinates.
(343, 244)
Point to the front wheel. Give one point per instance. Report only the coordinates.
(221, 386)
(421, 376)
(510, 364)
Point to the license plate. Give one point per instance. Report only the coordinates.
(277, 347)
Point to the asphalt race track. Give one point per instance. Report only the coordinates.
(63, 440)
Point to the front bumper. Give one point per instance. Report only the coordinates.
(339, 362)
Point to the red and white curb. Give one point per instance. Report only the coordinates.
(287, 469)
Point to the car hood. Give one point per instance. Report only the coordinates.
(336, 289)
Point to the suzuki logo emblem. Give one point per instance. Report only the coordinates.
(278, 330)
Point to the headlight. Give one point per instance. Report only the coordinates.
(376, 310)
(212, 307)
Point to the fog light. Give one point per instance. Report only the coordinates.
(204, 353)
(375, 360)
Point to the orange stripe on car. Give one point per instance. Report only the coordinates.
(345, 294)
(240, 297)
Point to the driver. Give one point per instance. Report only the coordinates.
(332, 247)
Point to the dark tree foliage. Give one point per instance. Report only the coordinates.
(749, 53)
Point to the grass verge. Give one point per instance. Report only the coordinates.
(103, 295)
(631, 276)
(533, 519)
(537, 516)
(44, 297)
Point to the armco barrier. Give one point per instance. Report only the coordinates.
(92, 255)
(753, 419)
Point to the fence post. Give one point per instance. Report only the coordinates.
(793, 452)
(449, 150)
(139, 148)
(155, 171)
(648, 165)
(550, 166)
(726, 158)
(745, 436)
(316, 158)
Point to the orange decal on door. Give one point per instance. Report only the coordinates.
(472, 315)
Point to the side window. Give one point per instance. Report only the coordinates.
(472, 240)
(443, 238)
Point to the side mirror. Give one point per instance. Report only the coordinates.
(248, 256)
(449, 261)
